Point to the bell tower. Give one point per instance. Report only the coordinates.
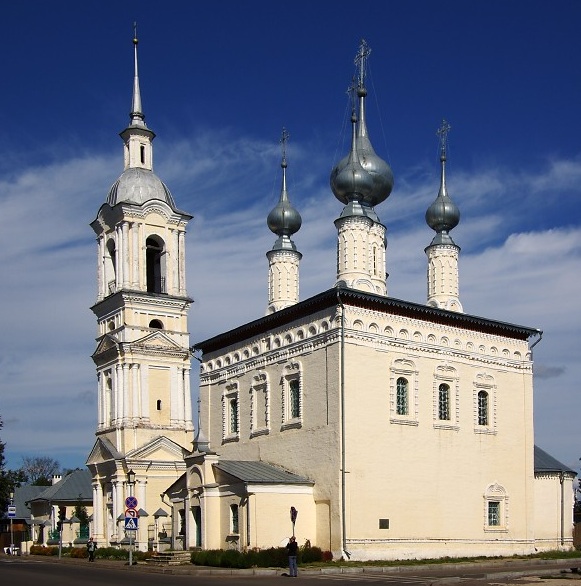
(142, 357)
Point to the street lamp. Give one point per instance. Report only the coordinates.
(130, 485)
(11, 526)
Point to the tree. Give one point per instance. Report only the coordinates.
(9, 479)
(39, 469)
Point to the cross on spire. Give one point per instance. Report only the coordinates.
(442, 134)
(283, 140)
(361, 61)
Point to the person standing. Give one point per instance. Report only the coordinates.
(91, 548)
(293, 549)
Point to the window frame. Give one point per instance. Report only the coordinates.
(230, 395)
(447, 375)
(292, 373)
(258, 426)
(484, 383)
(495, 496)
(403, 368)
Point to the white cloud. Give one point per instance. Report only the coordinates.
(509, 271)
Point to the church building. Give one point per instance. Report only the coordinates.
(405, 430)
(373, 427)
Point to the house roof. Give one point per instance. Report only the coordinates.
(390, 305)
(256, 472)
(23, 494)
(74, 486)
(546, 463)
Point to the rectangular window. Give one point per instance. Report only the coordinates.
(494, 513)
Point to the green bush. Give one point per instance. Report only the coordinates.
(274, 557)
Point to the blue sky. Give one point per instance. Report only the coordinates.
(219, 81)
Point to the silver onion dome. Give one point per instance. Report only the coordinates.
(370, 161)
(443, 214)
(379, 170)
(137, 186)
(350, 181)
(284, 220)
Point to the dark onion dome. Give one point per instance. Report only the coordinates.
(138, 186)
(283, 219)
(350, 181)
(443, 215)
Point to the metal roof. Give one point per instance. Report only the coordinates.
(389, 305)
(74, 486)
(546, 463)
(255, 472)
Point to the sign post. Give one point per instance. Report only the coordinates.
(131, 520)
(293, 516)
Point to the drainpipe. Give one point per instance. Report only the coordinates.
(540, 334)
(562, 481)
(342, 395)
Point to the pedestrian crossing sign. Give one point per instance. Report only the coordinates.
(130, 524)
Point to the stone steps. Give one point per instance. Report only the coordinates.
(170, 558)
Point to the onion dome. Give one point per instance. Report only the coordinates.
(373, 164)
(379, 170)
(351, 182)
(284, 220)
(443, 215)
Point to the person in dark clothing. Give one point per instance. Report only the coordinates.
(91, 548)
(293, 549)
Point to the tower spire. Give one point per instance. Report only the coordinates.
(283, 259)
(442, 216)
(137, 117)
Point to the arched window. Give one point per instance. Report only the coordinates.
(111, 265)
(402, 399)
(233, 416)
(482, 408)
(158, 404)
(154, 266)
(156, 324)
(294, 398)
(444, 402)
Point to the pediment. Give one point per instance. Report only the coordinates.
(159, 449)
(103, 451)
(157, 340)
(106, 343)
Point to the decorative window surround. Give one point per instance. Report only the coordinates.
(484, 383)
(230, 413)
(292, 396)
(260, 405)
(406, 369)
(496, 511)
(447, 375)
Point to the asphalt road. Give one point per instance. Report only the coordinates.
(26, 570)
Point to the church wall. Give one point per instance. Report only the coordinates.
(429, 480)
(554, 511)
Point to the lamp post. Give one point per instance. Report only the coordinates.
(130, 484)
(11, 526)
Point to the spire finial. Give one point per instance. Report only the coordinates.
(361, 62)
(442, 134)
(137, 117)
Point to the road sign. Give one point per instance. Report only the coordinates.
(130, 524)
(131, 513)
(131, 502)
(11, 511)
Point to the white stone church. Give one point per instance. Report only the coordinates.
(395, 429)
